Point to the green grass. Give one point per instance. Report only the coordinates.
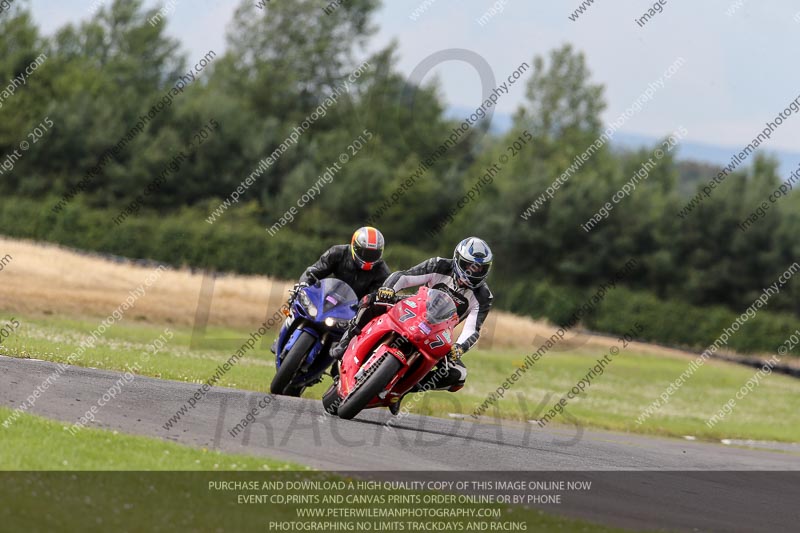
(35, 443)
(55, 339)
(613, 401)
(100, 480)
(630, 383)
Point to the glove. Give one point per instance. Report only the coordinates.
(385, 294)
(365, 301)
(456, 351)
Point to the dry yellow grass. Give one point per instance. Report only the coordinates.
(49, 279)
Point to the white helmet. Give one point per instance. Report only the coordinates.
(472, 260)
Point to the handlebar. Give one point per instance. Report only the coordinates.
(397, 298)
(314, 281)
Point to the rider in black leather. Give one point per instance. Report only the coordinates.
(359, 264)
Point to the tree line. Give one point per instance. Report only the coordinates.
(281, 62)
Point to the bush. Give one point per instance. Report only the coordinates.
(243, 246)
(182, 239)
(670, 322)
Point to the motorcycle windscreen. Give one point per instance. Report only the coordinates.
(336, 292)
(440, 307)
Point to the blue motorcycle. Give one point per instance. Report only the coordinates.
(319, 315)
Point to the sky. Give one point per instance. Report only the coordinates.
(738, 70)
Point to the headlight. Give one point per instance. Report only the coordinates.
(338, 324)
(306, 302)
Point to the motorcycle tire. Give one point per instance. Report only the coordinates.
(330, 400)
(372, 385)
(292, 362)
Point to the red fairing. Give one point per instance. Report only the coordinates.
(410, 319)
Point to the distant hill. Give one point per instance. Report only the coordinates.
(698, 161)
(706, 153)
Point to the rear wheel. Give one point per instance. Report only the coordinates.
(292, 362)
(370, 386)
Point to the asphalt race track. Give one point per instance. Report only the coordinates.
(296, 430)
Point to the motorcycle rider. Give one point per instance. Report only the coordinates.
(463, 278)
(359, 264)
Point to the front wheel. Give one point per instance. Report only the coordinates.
(330, 400)
(369, 387)
(292, 362)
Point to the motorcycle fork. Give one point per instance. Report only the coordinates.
(409, 360)
(387, 340)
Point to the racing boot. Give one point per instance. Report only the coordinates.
(450, 377)
(338, 350)
(394, 408)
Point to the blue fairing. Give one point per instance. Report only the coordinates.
(328, 298)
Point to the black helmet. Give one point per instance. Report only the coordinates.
(366, 246)
(472, 260)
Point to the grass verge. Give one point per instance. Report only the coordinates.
(614, 400)
(101, 480)
(35, 443)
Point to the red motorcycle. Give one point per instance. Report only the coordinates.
(393, 353)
